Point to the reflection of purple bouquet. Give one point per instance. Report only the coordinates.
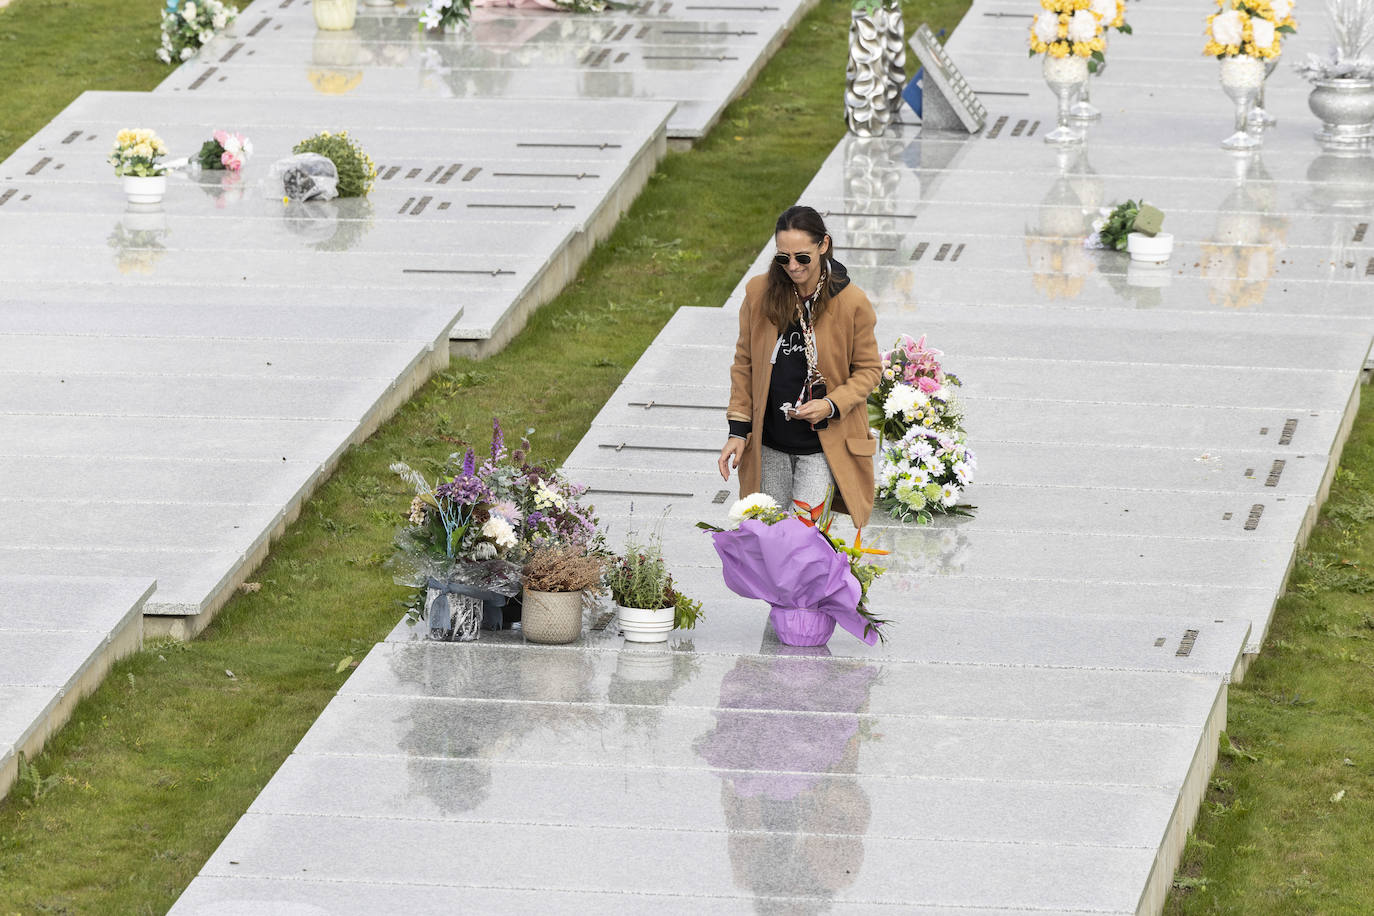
(793, 567)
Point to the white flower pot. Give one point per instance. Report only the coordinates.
(1155, 249)
(644, 625)
(141, 189)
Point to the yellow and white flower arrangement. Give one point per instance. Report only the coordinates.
(1068, 28)
(1249, 28)
(136, 152)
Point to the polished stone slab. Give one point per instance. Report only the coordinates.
(1055, 877)
(75, 436)
(195, 579)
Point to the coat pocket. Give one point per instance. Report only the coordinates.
(864, 448)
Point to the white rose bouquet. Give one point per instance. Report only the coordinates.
(188, 26)
(1249, 28)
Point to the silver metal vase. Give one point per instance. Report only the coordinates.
(866, 109)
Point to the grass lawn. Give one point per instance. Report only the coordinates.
(1288, 823)
(119, 812)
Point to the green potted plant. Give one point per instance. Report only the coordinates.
(556, 577)
(649, 608)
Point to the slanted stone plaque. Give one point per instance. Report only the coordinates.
(947, 100)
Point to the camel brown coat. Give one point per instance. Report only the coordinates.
(847, 354)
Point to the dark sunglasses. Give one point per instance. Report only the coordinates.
(782, 259)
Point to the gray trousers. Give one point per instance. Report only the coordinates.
(788, 477)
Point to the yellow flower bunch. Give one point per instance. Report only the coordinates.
(137, 151)
(1249, 28)
(1067, 27)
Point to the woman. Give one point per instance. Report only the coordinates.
(805, 362)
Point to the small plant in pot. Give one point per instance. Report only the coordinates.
(649, 607)
(556, 577)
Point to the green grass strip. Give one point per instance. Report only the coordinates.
(127, 802)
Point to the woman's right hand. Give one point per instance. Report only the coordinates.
(730, 456)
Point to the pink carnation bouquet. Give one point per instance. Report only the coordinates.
(225, 150)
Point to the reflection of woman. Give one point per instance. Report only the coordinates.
(805, 362)
(786, 745)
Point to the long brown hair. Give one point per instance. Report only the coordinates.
(780, 298)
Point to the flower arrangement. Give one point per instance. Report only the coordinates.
(438, 14)
(557, 567)
(924, 462)
(640, 579)
(914, 390)
(1249, 28)
(357, 171)
(1112, 227)
(137, 152)
(1112, 15)
(479, 521)
(224, 151)
(1352, 32)
(1068, 28)
(188, 26)
(924, 473)
(789, 560)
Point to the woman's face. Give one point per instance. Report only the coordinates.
(798, 242)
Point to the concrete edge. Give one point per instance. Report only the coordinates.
(185, 621)
(1191, 794)
(124, 640)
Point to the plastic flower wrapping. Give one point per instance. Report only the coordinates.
(188, 26)
(790, 561)
(480, 519)
(924, 463)
(1071, 28)
(1249, 28)
(136, 152)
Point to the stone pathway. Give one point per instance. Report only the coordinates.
(1038, 733)
(220, 352)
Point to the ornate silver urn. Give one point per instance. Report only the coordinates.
(1346, 110)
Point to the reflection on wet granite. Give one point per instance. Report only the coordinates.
(137, 239)
(1054, 245)
(329, 225)
(793, 830)
(1241, 255)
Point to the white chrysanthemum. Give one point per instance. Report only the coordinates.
(1105, 10)
(751, 505)
(1228, 28)
(949, 495)
(1047, 26)
(901, 399)
(545, 497)
(1282, 9)
(920, 476)
(1261, 32)
(500, 531)
(963, 472)
(188, 12)
(431, 18)
(1082, 26)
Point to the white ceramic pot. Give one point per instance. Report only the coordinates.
(334, 15)
(644, 625)
(141, 189)
(551, 618)
(1155, 249)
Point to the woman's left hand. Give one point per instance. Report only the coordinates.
(813, 411)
